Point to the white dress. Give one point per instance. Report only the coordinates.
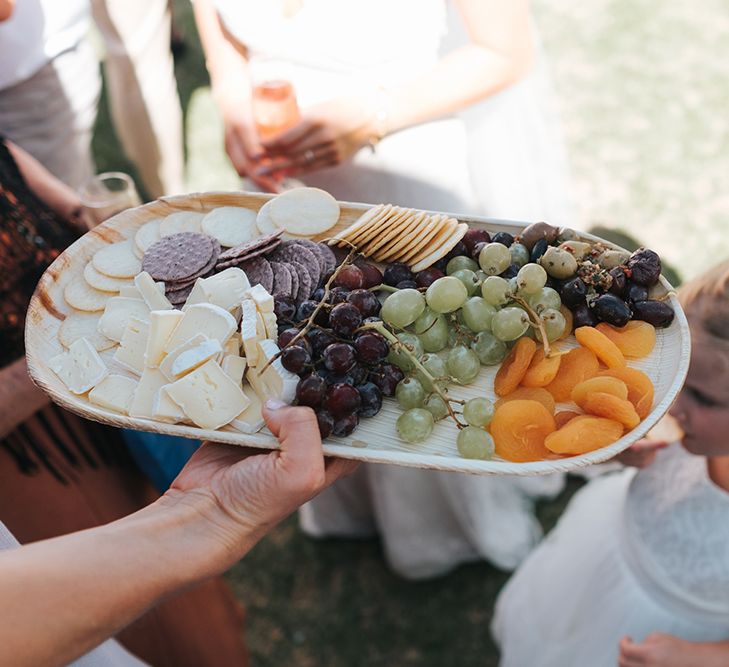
(633, 554)
(429, 521)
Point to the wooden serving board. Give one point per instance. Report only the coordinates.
(375, 439)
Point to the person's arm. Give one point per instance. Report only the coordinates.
(659, 650)
(500, 52)
(55, 194)
(59, 598)
(19, 397)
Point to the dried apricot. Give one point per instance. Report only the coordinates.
(621, 410)
(606, 351)
(603, 384)
(563, 416)
(640, 387)
(635, 340)
(529, 394)
(519, 429)
(583, 434)
(514, 366)
(542, 370)
(577, 365)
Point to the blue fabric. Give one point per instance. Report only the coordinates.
(161, 457)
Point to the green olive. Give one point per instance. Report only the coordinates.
(558, 263)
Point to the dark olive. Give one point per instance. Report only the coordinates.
(619, 280)
(540, 247)
(657, 313)
(611, 309)
(634, 292)
(582, 316)
(644, 266)
(459, 249)
(504, 238)
(574, 292)
(510, 271)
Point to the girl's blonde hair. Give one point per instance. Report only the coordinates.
(706, 301)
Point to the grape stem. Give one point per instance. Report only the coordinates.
(310, 320)
(399, 345)
(536, 322)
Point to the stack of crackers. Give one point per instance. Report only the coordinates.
(390, 233)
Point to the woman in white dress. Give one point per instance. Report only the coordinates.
(387, 116)
(637, 570)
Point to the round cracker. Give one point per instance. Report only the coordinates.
(264, 224)
(83, 325)
(443, 250)
(81, 296)
(281, 279)
(180, 222)
(231, 225)
(395, 227)
(118, 260)
(147, 234)
(396, 216)
(305, 211)
(295, 283)
(102, 282)
(292, 250)
(361, 223)
(259, 272)
(180, 256)
(431, 240)
(270, 240)
(316, 250)
(306, 284)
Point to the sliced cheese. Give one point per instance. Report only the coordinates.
(162, 324)
(171, 356)
(248, 331)
(232, 347)
(189, 359)
(119, 310)
(114, 392)
(251, 419)
(130, 353)
(131, 291)
(261, 297)
(279, 382)
(203, 318)
(208, 396)
(271, 325)
(235, 367)
(149, 384)
(80, 368)
(225, 289)
(150, 293)
(165, 409)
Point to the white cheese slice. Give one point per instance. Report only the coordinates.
(263, 300)
(119, 310)
(248, 331)
(189, 359)
(271, 324)
(80, 368)
(256, 383)
(234, 366)
(162, 324)
(208, 396)
(114, 392)
(130, 353)
(232, 347)
(149, 384)
(171, 356)
(150, 293)
(260, 326)
(203, 318)
(279, 382)
(131, 291)
(250, 420)
(225, 289)
(165, 409)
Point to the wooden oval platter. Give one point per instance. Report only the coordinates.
(375, 439)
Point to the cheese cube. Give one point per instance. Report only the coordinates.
(80, 368)
(279, 382)
(189, 356)
(248, 331)
(235, 367)
(149, 384)
(148, 289)
(269, 321)
(162, 324)
(118, 312)
(250, 420)
(225, 289)
(130, 353)
(208, 396)
(165, 409)
(114, 392)
(131, 291)
(262, 299)
(203, 318)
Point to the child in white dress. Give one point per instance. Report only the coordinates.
(637, 570)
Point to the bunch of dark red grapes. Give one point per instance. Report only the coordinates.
(344, 372)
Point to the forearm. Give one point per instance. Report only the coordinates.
(59, 598)
(19, 397)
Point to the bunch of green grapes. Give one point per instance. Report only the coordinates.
(465, 319)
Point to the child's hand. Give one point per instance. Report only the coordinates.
(642, 453)
(659, 650)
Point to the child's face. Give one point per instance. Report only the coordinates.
(702, 407)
